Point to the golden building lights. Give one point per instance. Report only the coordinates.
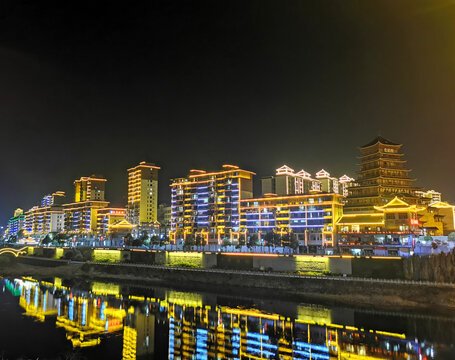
(142, 208)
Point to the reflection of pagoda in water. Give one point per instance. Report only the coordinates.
(181, 325)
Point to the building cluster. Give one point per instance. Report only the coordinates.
(89, 214)
(380, 206)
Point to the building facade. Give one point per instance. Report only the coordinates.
(107, 217)
(89, 188)
(310, 219)
(81, 215)
(383, 205)
(142, 208)
(207, 204)
(382, 176)
(288, 182)
(433, 196)
(437, 219)
(47, 218)
(16, 223)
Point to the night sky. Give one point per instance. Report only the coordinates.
(95, 88)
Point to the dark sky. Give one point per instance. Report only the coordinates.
(95, 88)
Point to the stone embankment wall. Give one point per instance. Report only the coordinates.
(373, 293)
(436, 268)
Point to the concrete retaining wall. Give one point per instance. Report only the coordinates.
(381, 293)
(439, 268)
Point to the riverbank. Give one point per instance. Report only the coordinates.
(364, 293)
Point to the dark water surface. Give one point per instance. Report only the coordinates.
(58, 319)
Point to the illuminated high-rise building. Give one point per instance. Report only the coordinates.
(207, 204)
(309, 219)
(345, 183)
(56, 198)
(329, 184)
(142, 209)
(48, 217)
(89, 188)
(16, 223)
(81, 216)
(287, 182)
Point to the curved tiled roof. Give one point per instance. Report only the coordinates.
(380, 139)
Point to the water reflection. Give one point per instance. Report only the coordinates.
(162, 323)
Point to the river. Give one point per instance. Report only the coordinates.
(60, 319)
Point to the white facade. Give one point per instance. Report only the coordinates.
(57, 223)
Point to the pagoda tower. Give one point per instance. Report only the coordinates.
(382, 177)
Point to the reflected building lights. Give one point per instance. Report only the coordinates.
(195, 328)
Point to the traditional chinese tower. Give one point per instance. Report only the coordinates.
(382, 176)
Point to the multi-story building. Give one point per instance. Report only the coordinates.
(107, 217)
(207, 204)
(47, 218)
(164, 214)
(164, 219)
(56, 198)
(44, 220)
(345, 183)
(16, 223)
(89, 188)
(287, 182)
(383, 205)
(433, 196)
(382, 176)
(81, 215)
(437, 219)
(310, 219)
(142, 208)
(328, 183)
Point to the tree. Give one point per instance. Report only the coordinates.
(143, 238)
(60, 238)
(253, 240)
(47, 240)
(189, 240)
(241, 241)
(226, 242)
(155, 240)
(294, 243)
(269, 239)
(198, 239)
(21, 234)
(286, 240)
(129, 239)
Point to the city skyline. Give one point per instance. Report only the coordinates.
(120, 199)
(251, 84)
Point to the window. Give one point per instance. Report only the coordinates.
(403, 216)
(390, 216)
